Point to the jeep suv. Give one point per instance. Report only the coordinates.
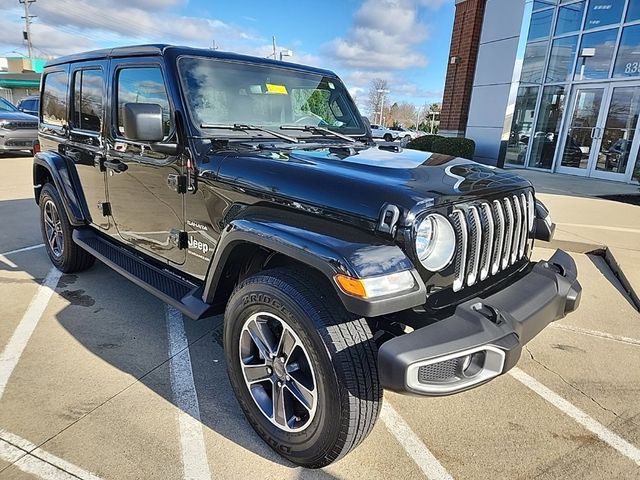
(230, 184)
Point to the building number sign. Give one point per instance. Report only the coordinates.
(632, 68)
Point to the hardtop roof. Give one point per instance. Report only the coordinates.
(162, 49)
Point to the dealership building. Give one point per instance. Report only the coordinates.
(552, 85)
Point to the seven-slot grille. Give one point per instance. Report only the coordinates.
(490, 236)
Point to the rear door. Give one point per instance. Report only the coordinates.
(148, 213)
(85, 146)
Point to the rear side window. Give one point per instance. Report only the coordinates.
(88, 87)
(54, 97)
(142, 85)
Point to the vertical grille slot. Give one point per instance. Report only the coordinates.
(490, 236)
(460, 227)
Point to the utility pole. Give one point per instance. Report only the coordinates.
(275, 55)
(383, 92)
(27, 24)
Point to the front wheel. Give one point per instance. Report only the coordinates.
(303, 369)
(388, 138)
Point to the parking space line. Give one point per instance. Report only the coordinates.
(10, 356)
(414, 447)
(602, 432)
(194, 455)
(24, 249)
(596, 333)
(31, 459)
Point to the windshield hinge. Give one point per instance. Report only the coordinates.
(177, 182)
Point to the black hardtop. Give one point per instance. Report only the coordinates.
(176, 51)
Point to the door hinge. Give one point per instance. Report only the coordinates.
(179, 239)
(105, 208)
(177, 182)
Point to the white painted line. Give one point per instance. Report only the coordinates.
(601, 227)
(596, 333)
(20, 250)
(414, 447)
(603, 433)
(10, 356)
(30, 459)
(194, 454)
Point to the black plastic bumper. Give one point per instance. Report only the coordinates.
(502, 322)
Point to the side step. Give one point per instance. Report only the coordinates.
(176, 291)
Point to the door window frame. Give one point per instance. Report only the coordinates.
(93, 66)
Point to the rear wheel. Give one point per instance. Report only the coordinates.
(57, 232)
(303, 369)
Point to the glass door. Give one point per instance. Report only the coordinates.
(618, 135)
(580, 141)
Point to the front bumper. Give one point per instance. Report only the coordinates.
(484, 337)
(21, 139)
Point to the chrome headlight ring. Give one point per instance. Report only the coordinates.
(435, 242)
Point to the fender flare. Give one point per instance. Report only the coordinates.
(65, 180)
(325, 253)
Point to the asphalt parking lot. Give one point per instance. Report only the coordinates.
(98, 379)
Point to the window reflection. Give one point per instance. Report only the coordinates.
(54, 106)
(633, 13)
(521, 125)
(563, 52)
(540, 24)
(545, 138)
(595, 55)
(533, 63)
(603, 12)
(88, 86)
(628, 60)
(569, 18)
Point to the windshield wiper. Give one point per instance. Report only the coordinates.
(244, 128)
(314, 129)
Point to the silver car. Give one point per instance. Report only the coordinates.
(18, 130)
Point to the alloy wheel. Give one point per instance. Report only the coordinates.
(53, 228)
(277, 371)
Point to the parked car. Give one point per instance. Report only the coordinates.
(30, 105)
(229, 184)
(18, 130)
(388, 135)
(406, 134)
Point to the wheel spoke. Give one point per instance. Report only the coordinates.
(279, 414)
(256, 373)
(259, 337)
(287, 344)
(301, 393)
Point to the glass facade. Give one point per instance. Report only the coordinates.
(578, 98)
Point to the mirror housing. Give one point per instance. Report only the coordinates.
(143, 122)
(367, 127)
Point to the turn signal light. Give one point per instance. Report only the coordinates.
(374, 287)
(352, 286)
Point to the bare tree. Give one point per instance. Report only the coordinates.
(375, 97)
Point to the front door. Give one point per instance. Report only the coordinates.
(601, 134)
(148, 213)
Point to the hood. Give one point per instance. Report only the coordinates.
(20, 116)
(360, 181)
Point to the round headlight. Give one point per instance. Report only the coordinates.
(435, 242)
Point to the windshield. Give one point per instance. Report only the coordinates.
(220, 92)
(5, 106)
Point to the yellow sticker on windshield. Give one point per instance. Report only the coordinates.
(280, 89)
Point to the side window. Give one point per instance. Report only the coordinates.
(142, 85)
(54, 97)
(87, 100)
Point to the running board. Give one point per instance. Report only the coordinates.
(176, 291)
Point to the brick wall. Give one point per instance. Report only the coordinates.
(465, 39)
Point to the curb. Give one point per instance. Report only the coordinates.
(615, 267)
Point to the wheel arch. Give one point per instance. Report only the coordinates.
(51, 167)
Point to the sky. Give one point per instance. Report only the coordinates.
(405, 42)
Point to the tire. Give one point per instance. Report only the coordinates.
(407, 138)
(68, 257)
(338, 348)
(387, 137)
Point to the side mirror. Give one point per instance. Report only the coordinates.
(367, 127)
(143, 122)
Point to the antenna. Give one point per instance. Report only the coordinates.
(27, 23)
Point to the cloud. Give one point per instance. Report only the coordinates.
(385, 34)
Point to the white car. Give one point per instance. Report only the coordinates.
(406, 134)
(385, 133)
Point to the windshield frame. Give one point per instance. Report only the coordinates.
(220, 133)
(12, 107)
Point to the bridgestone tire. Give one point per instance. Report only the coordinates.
(342, 353)
(72, 258)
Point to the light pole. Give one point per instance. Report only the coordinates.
(417, 118)
(286, 53)
(383, 92)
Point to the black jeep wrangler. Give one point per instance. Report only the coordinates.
(229, 184)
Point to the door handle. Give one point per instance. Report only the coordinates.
(593, 129)
(115, 165)
(99, 161)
